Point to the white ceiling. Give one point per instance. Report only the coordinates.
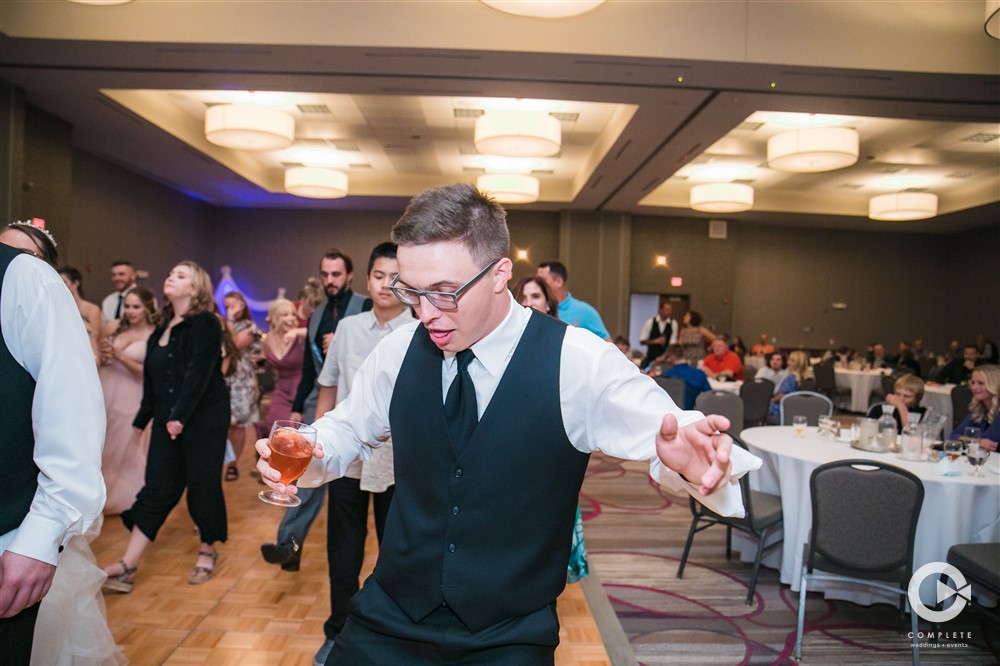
(633, 126)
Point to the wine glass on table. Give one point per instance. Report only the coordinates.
(291, 445)
(976, 455)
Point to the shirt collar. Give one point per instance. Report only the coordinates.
(565, 303)
(498, 345)
(404, 317)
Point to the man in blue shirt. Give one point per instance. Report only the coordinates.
(695, 381)
(571, 310)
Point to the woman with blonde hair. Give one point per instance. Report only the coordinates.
(985, 385)
(283, 350)
(798, 370)
(186, 397)
(121, 361)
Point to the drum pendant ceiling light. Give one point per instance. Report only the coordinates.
(316, 183)
(813, 149)
(509, 187)
(903, 206)
(249, 127)
(544, 8)
(722, 197)
(518, 134)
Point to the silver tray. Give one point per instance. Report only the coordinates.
(870, 447)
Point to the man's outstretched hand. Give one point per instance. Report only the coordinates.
(699, 452)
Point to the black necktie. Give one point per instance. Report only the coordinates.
(460, 405)
(121, 301)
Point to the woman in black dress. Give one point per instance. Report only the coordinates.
(187, 399)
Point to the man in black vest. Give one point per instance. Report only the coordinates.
(493, 410)
(51, 435)
(336, 271)
(658, 333)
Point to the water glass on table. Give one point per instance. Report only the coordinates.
(799, 423)
(976, 455)
(291, 445)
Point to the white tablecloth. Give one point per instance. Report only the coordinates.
(861, 383)
(960, 509)
(731, 387)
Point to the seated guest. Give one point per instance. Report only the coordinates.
(722, 363)
(762, 348)
(622, 343)
(877, 357)
(986, 349)
(776, 369)
(954, 351)
(844, 355)
(907, 363)
(958, 371)
(798, 370)
(695, 381)
(906, 395)
(737, 346)
(918, 350)
(985, 385)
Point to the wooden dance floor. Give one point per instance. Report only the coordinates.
(251, 612)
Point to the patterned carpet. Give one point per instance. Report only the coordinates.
(635, 534)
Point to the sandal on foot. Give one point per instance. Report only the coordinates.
(232, 473)
(201, 575)
(122, 582)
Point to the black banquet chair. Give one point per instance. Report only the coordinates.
(961, 396)
(763, 516)
(674, 388)
(756, 397)
(810, 404)
(725, 404)
(864, 524)
(826, 381)
(978, 563)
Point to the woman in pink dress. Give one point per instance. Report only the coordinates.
(283, 350)
(121, 361)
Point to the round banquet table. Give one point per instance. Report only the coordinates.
(956, 509)
(730, 387)
(861, 383)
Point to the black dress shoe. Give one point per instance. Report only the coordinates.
(275, 553)
(291, 565)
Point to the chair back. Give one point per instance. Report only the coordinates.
(810, 404)
(875, 410)
(725, 404)
(927, 366)
(674, 388)
(889, 384)
(864, 518)
(961, 396)
(826, 380)
(756, 396)
(749, 372)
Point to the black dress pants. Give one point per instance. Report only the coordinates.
(347, 529)
(16, 637)
(192, 461)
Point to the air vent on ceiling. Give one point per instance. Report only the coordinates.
(348, 146)
(475, 170)
(314, 109)
(850, 186)
(543, 172)
(965, 173)
(565, 117)
(398, 149)
(467, 113)
(744, 181)
(749, 126)
(892, 169)
(980, 137)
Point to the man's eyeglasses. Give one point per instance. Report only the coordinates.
(442, 300)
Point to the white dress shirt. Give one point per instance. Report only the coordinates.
(356, 337)
(647, 329)
(607, 405)
(45, 335)
(110, 303)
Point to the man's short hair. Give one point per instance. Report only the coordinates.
(334, 253)
(122, 263)
(675, 351)
(556, 268)
(455, 213)
(913, 384)
(386, 250)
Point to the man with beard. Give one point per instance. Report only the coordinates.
(335, 271)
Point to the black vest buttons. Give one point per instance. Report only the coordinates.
(451, 548)
(454, 510)
(458, 472)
